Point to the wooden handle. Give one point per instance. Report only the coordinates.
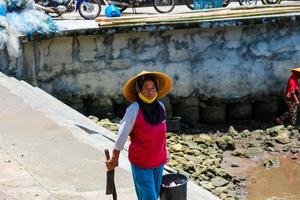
(110, 182)
(107, 154)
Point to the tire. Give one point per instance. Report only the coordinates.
(122, 8)
(265, 107)
(264, 2)
(88, 6)
(189, 4)
(54, 15)
(159, 5)
(185, 114)
(247, 2)
(213, 114)
(265, 117)
(239, 110)
(226, 3)
(273, 1)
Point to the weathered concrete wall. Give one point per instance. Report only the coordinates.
(227, 61)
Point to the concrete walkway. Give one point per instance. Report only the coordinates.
(44, 154)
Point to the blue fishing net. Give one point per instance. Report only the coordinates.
(19, 5)
(32, 21)
(3, 38)
(3, 9)
(19, 17)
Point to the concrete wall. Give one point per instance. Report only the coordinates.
(227, 62)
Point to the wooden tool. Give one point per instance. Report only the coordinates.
(110, 179)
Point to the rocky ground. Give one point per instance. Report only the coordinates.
(222, 161)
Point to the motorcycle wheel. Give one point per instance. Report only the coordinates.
(226, 3)
(54, 15)
(247, 2)
(122, 8)
(163, 6)
(189, 4)
(264, 2)
(90, 9)
(273, 1)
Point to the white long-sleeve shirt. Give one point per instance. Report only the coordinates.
(127, 123)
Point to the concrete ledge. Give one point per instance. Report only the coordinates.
(92, 28)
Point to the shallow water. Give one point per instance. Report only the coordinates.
(278, 183)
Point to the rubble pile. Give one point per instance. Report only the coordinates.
(201, 156)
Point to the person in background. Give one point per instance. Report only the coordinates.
(291, 98)
(145, 123)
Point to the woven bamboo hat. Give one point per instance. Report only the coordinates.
(296, 70)
(164, 84)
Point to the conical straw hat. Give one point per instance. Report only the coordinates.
(296, 69)
(164, 84)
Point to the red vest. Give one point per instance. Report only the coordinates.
(148, 143)
(292, 87)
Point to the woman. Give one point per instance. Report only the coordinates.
(291, 98)
(145, 123)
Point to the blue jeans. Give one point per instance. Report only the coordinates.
(147, 182)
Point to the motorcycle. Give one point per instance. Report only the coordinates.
(241, 2)
(88, 9)
(190, 5)
(252, 2)
(161, 6)
(271, 1)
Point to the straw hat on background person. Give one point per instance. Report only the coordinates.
(297, 69)
(164, 84)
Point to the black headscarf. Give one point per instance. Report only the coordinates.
(153, 112)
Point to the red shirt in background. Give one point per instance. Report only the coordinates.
(292, 87)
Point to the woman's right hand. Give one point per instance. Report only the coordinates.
(111, 164)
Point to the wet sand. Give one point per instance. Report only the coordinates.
(281, 182)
